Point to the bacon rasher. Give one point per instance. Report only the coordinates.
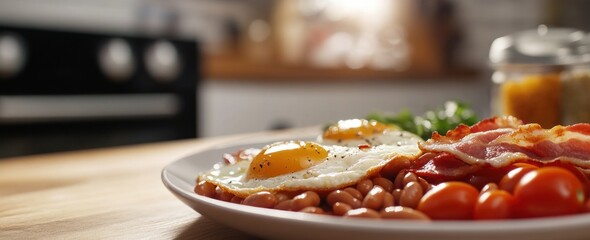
(488, 148)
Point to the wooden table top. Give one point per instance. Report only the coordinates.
(112, 193)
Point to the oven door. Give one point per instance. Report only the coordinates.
(39, 124)
(74, 90)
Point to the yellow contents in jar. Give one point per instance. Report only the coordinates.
(533, 99)
(576, 99)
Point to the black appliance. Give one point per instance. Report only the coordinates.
(66, 90)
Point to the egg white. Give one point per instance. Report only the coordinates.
(393, 137)
(344, 166)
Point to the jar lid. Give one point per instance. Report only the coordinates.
(543, 46)
(583, 49)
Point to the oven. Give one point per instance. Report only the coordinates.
(68, 90)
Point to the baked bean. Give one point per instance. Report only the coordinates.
(285, 205)
(306, 199)
(391, 169)
(340, 208)
(205, 188)
(223, 195)
(489, 187)
(362, 213)
(426, 186)
(403, 213)
(385, 183)
(282, 197)
(236, 199)
(364, 186)
(311, 209)
(388, 200)
(398, 181)
(354, 192)
(396, 194)
(411, 195)
(409, 177)
(261, 199)
(374, 199)
(343, 197)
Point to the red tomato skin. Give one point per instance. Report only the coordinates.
(581, 176)
(493, 204)
(449, 201)
(586, 207)
(548, 191)
(511, 179)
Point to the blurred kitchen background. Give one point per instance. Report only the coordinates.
(90, 73)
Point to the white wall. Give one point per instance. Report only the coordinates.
(229, 107)
(482, 21)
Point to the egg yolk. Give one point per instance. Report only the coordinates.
(355, 129)
(285, 157)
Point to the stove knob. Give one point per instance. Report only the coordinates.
(163, 62)
(116, 61)
(12, 55)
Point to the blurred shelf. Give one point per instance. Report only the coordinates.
(223, 68)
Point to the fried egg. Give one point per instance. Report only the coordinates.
(304, 165)
(355, 132)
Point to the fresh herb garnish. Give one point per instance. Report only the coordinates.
(440, 120)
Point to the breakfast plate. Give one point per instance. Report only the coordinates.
(179, 178)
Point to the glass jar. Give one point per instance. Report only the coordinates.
(576, 95)
(530, 68)
(530, 93)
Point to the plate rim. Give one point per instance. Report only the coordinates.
(578, 221)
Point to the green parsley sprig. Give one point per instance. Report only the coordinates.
(440, 120)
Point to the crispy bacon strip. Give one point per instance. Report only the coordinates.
(496, 143)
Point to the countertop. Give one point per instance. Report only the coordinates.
(111, 193)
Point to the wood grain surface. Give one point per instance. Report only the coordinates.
(113, 193)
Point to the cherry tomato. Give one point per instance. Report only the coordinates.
(581, 176)
(488, 187)
(548, 191)
(586, 207)
(521, 164)
(493, 204)
(509, 181)
(449, 200)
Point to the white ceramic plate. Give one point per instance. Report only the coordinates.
(179, 178)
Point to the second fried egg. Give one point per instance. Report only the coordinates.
(354, 132)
